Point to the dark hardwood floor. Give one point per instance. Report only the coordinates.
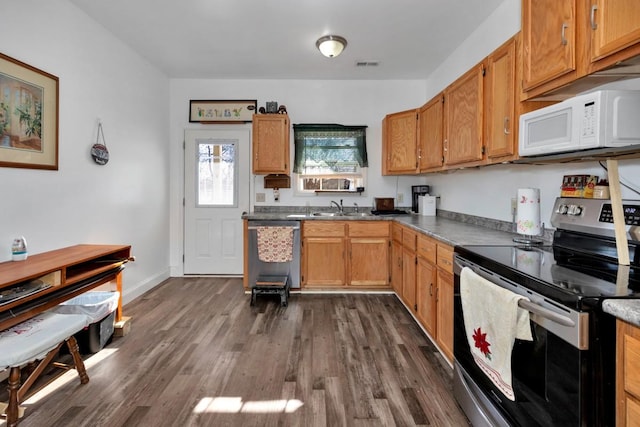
(199, 355)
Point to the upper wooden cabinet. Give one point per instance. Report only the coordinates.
(500, 118)
(564, 41)
(271, 144)
(430, 134)
(463, 111)
(549, 40)
(614, 25)
(399, 134)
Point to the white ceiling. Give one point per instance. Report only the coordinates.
(263, 39)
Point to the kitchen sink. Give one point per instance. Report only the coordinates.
(356, 214)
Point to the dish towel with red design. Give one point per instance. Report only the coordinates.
(275, 244)
(492, 322)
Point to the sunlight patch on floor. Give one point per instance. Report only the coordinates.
(234, 405)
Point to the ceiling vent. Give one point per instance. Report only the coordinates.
(367, 63)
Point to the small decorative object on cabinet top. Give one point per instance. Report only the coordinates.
(272, 107)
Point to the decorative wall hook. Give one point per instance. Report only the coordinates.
(99, 151)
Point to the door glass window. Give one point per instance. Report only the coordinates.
(217, 173)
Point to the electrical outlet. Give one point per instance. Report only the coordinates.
(261, 197)
(400, 198)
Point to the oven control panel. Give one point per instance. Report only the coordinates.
(631, 214)
(592, 215)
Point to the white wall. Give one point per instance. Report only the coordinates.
(487, 191)
(123, 202)
(503, 23)
(307, 101)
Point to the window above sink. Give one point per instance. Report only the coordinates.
(329, 158)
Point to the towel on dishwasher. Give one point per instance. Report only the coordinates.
(275, 244)
(492, 322)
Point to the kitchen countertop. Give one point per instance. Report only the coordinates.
(624, 309)
(448, 231)
(453, 233)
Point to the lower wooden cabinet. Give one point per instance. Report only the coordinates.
(345, 254)
(409, 263)
(324, 261)
(628, 375)
(396, 266)
(422, 276)
(427, 295)
(444, 303)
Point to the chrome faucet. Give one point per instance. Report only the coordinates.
(356, 206)
(338, 206)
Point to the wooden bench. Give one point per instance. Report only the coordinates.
(37, 339)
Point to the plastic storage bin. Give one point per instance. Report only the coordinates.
(100, 308)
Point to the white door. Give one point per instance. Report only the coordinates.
(217, 174)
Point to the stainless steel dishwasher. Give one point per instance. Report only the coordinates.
(259, 268)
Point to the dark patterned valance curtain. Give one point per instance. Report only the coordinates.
(329, 143)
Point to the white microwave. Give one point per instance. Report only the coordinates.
(605, 118)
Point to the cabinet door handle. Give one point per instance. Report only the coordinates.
(563, 38)
(594, 7)
(506, 126)
(430, 289)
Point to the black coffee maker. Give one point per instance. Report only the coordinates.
(417, 190)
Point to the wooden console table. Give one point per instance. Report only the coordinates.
(62, 274)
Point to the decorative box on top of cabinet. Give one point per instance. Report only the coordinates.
(271, 150)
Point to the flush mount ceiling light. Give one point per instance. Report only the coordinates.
(331, 46)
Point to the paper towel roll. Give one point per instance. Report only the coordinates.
(528, 212)
(427, 205)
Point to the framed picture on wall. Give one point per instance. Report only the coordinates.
(218, 111)
(28, 116)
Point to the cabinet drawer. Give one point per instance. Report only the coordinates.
(409, 238)
(427, 248)
(369, 228)
(445, 257)
(396, 232)
(632, 365)
(323, 229)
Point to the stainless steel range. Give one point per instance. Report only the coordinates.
(566, 375)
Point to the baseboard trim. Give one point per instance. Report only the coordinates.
(131, 293)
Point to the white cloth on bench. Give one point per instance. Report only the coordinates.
(34, 338)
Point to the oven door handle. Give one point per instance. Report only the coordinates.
(546, 313)
(525, 304)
